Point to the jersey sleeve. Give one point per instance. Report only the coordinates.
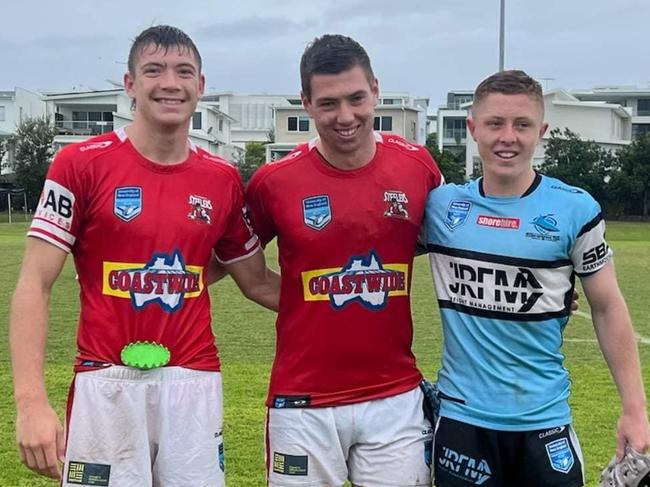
(436, 178)
(57, 218)
(239, 241)
(261, 219)
(590, 251)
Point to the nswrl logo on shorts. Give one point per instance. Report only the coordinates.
(560, 455)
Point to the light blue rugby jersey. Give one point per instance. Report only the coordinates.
(504, 272)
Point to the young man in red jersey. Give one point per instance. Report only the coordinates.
(145, 406)
(344, 401)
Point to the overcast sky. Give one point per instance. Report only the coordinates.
(425, 47)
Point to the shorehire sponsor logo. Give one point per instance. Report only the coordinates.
(165, 280)
(364, 279)
(498, 222)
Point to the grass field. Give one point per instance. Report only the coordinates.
(246, 338)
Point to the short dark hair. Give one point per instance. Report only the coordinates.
(512, 82)
(161, 36)
(332, 54)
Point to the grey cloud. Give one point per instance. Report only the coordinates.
(253, 28)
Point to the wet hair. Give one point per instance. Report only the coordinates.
(512, 82)
(162, 37)
(332, 54)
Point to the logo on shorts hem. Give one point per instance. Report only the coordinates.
(560, 455)
(281, 402)
(88, 474)
(290, 464)
(473, 470)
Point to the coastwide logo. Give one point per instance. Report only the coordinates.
(164, 280)
(363, 279)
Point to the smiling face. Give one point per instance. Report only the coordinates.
(343, 109)
(166, 84)
(506, 128)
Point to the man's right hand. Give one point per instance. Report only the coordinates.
(40, 439)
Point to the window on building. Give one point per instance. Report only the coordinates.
(2, 114)
(384, 124)
(298, 124)
(459, 100)
(640, 129)
(221, 125)
(196, 121)
(643, 108)
(455, 128)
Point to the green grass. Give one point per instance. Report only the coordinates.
(245, 334)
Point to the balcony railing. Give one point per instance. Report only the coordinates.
(82, 127)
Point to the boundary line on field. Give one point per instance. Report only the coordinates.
(639, 338)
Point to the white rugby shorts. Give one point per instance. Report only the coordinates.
(133, 428)
(381, 443)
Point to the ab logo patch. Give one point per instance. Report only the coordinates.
(127, 203)
(316, 211)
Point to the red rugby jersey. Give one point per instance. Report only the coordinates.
(141, 235)
(346, 240)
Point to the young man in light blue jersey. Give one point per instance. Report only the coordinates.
(504, 252)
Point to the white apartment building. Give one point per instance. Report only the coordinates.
(252, 115)
(79, 115)
(451, 127)
(15, 106)
(636, 100)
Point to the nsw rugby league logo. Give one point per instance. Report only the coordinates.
(127, 202)
(317, 211)
(457, 213)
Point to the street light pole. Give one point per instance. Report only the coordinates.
(502, 33)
